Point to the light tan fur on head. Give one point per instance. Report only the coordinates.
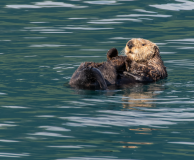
(140, 50)
(145, 57)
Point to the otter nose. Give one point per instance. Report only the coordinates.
(130, 45)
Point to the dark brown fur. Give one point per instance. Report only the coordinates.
(107, 69)
(121, 63)
(95, 75)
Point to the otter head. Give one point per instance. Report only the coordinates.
(140, 50)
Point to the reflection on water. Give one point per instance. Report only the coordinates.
(6, 125)
(102, 2)
(144, 15)
(145, 117)
(7, 141)
(186, 143)
(182, 40)
(53, 128)
(94, 158)
(48, 134)
(14, 107)
(113, 21)
(142, 96)
(13, 155)
(185, 5)
(45, 4)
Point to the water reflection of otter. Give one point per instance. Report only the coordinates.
(142, 95)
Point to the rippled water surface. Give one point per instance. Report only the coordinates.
(42, 44)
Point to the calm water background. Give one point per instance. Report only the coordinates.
(42, 44)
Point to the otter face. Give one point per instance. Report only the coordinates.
(138, 49)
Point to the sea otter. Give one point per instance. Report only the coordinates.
(145, 60)
(142, 63)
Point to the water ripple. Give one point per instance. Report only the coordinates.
(34, 37)
(187, 143)
(113, 21)
(182, 40)
(48, 134)
(14, 107)
(2, 154)
(150, 118)
(108, 132)
(45, 29)
(39, 22)
(46, 116)
(120, 38)
(5, 40)
(93, 50)
(47, 45)
(30, 56)
(53, 128)
(185, 5)
(122, 121)
(145, 15)
(84, 28)
(144, 11)
(94, 158)
(61, 29)
(182, 63)
(1, 93)
(77, 18)
(167, 52)
(101, 2)
(45, 4)
(7, 141)
(76, 146)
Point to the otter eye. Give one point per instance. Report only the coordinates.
(143, 44)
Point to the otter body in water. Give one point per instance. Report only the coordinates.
(142, 63)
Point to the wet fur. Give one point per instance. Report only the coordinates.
(111, 72)
(145, 59)
(107, 69)
(142, 63)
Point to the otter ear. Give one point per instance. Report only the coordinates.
(156, 50)
(112, 53)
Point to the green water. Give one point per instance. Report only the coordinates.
(42, 44)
